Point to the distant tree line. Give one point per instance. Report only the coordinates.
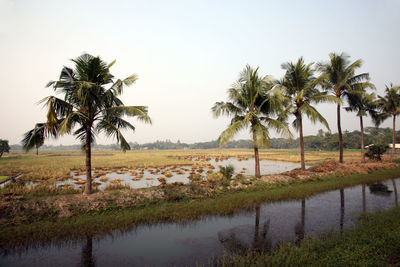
(321, 141)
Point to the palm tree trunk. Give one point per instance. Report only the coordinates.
(256, 156)
(303, 164)
(37, 151)
(362, 140)
(340, 135)
(394, 136)
(88, 186)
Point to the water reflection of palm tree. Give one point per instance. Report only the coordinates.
(341, 208)
(396, 201)
(364, 202)
(379, 189)
(87, 253)
(299, 229)
(260, 242)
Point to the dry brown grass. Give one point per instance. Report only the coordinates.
(56, 165)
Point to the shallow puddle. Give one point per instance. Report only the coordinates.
(167, 244)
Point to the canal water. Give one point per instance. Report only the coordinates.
(169, 244)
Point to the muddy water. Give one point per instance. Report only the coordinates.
(245, 167)
(262, 228)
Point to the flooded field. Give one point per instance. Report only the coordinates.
(168, 244)
(150, 176)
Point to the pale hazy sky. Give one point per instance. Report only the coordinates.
(186, 53)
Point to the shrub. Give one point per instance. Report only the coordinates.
(375, 151)
(215, 177)
(227, 171)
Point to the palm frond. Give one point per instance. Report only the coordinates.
(313, 114)
(140, 112)
(231, 131)
(112, 130)
(225, 108)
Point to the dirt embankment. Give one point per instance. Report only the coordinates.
(15, 209)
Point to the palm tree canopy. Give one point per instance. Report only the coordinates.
(300, 85)
(91, 102)
(389, 104)
(253, 103)
(363, 103)
(35, 137)
(4, 147)
(340, 75)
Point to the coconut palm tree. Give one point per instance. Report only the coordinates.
(35, 137)
(4, 147)
(301, 87)
(362, 103)
(389, 105)
(341, 80)
(88, 107)
(254, 103)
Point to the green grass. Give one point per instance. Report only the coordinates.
(374, 242)
(3, 178)
(101, 221)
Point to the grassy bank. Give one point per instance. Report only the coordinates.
(98, 221)
(374, 242)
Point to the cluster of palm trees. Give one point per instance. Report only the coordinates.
(91, 103)
(262, 103)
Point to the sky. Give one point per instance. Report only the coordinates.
(186, 54)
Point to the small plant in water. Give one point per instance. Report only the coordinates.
(227, 171)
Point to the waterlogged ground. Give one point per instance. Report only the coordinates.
(262, 228)
(147, 177)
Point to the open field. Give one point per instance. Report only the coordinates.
(56, 165)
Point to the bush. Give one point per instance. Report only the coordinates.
(375, 151)
(215, 177)
(227, 171)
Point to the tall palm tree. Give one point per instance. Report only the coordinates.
(254, 104)
(301, 87)
(389, 105)
(35, 138)
(90, 106)
(341, 80)
(362, 103)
